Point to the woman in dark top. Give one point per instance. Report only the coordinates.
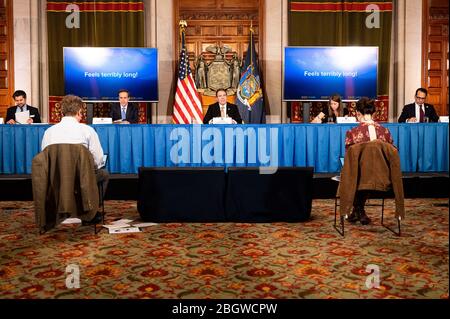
(332, 111)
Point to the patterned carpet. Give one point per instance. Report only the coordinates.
(228, 260)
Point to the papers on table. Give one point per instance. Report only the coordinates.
(102, 120)
(22, 117)
(222, 120)
(121, 122)
(345, 119)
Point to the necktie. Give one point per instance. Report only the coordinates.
(222, 111)
(21, 108)
(421, 114)
(124, 113)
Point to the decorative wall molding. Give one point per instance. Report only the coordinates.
(218, 16)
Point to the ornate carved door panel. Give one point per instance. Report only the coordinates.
(435, 53)
(6, 55)
(221, 23)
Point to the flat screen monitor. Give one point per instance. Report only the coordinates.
(315, 73)
(97, 74)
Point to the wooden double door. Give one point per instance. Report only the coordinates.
(435, 53)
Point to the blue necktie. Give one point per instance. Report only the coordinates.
(124, 114)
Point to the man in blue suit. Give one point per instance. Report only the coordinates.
(124, 112)
(419, 111)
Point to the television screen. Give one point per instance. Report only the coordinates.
(97, 74)
(315, 73)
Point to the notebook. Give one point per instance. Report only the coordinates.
(105, 160)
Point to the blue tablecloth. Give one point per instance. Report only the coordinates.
(422, 147)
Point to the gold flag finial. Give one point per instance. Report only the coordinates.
(182, 24)
(251, 26)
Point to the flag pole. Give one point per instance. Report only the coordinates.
(251, 65)
(251, 41)
(183, 25)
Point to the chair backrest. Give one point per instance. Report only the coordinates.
(373, 166)
(64, 183)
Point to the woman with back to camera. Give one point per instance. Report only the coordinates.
(367, 130)
(333, 110)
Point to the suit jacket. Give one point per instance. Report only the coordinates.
(132, 115)
(10, 113)
(409, 111)
(64, 183)
(373, 166)
(214, 111)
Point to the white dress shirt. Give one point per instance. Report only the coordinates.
(418, 111)
(123, 108)
(223, 110)
(70, 131)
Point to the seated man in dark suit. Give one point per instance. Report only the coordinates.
(419, 111)
(124, 112)
(20, 97)
(222, 109)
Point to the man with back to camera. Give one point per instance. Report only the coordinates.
(124, 112)
(222, 109)
(71, 131)
(419, 112)
(20, 99)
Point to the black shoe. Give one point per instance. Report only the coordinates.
(97, 219)
(364, 219)
(354, 216)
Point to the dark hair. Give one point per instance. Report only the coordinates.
(336, 98)
(124, 90)
(70, 105)
(365, 106)
(422, 90)
(218, 90)
(19, 93)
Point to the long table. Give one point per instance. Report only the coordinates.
(422, 147)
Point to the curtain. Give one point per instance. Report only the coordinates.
(343, 23)
(101, 24)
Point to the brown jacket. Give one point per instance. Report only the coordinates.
(374, 166)
(64, 183)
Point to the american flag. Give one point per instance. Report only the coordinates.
(187, 108)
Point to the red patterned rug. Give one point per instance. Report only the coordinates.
(228, 260)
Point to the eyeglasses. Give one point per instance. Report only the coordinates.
(420, 98)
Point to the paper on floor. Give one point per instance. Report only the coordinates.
(71, 221)
(123, 230)
(122, 221)
(144, 224)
